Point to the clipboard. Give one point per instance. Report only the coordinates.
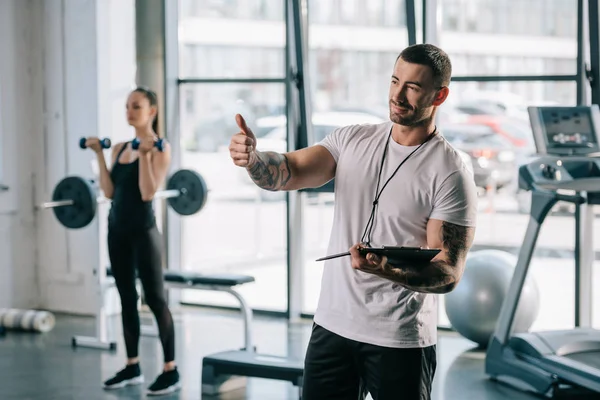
(394, 254)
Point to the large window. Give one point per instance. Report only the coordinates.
(376, 13)
(233, 10)
(495, 112)
(511, 38)
(232, 60)
(232, 39)
(495, 115)
(350, 84)
(518, 18)
(232, 55)
(2, 187)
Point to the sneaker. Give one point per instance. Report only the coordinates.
(130, 375)
(165, 383)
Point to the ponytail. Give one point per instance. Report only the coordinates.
(153, 99)
(155, 124)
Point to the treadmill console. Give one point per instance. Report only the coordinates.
(566, 139)
(565, 130)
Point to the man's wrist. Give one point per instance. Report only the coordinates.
(252, 161)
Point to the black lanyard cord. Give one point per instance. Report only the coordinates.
(369, 227)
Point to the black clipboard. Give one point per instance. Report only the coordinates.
(394, 254)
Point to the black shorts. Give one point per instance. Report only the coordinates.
(337, 368)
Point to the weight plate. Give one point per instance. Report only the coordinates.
(193, 192)
(83, 210)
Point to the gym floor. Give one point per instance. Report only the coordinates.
(44, 366)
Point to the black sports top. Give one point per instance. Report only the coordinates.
(128, 211)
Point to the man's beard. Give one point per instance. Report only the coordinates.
(413, 119)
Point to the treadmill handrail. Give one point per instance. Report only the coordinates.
(568, 198)
(575, 199)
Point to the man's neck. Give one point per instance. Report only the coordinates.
(412, 135)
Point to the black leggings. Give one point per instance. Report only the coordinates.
(144, 249)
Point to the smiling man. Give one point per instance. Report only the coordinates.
(397, 183)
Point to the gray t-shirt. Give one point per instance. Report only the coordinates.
(433, 183)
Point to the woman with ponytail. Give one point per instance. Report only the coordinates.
(134, 242)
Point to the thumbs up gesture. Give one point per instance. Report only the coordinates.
(242, 147)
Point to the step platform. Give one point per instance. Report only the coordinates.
(226, 371)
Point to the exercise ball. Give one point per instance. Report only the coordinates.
(473, 307)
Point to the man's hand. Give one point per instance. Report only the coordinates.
(440, 275)
(242, 147)
(268, 170)
(370, 262)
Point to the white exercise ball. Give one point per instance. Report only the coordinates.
(473, 307)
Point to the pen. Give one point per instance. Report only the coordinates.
(333, 256)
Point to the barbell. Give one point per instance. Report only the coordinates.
(75, 199)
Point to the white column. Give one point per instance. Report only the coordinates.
(65, 71)
(21, 133)
(68, 259)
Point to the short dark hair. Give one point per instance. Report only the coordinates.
(431, 56)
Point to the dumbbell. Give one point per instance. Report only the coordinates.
(104, 143)
(135, 144)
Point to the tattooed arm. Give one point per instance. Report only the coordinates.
(309, 167)
(441, 275)
(455, 199)
(444, 272)
(305, 168)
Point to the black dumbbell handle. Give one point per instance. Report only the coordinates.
(104, 143)
(135, 144)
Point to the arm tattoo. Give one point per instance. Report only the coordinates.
(440, 276)
(271, 171)
(431, 278)
(455, 239)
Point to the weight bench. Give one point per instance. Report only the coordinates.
(215, 282)
(172, 280)
(227, 370)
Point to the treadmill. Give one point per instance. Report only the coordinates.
(564, 363)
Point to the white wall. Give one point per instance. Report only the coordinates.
(65, 70)
(21, 124)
